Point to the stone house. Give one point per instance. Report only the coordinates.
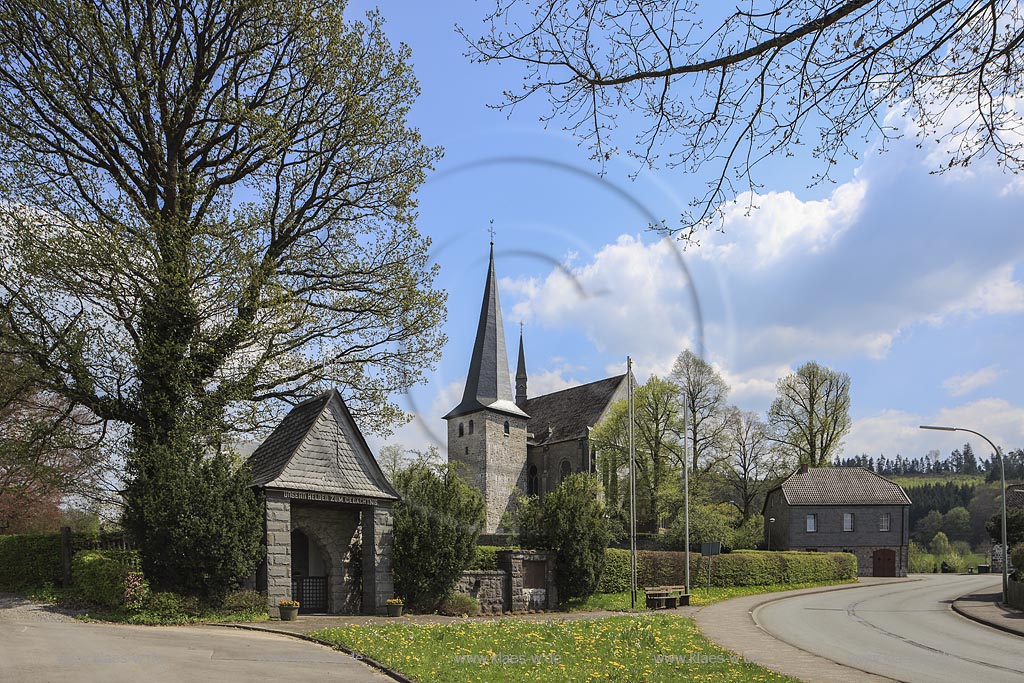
(324, 496)
(842, 509)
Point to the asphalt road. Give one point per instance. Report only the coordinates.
(904, 631)
(37, 645)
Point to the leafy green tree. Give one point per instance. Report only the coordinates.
(811, 414)
(957, 524)
(526, 522)
(436, 525)
(207, 213)
(1014, 526)
(574, 525)
(940, 546)
(709, 523)
(928, 526)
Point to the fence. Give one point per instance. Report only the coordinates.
(69, 545)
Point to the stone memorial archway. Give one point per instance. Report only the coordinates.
(319, 478)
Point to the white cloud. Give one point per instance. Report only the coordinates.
(958, 385)
(780, 225)
(894, 431)
(999, 293)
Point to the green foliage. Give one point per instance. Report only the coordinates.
(1014, 526)
(436, 525)
(749, 535)
(615, 577)
(956, 524)
(109, 578)
(458, 605)
(928, 526)
(245, 600)
(1017, 560)
(486, 558)
(28, 561)
(811, 414)
(708, 524)
(940, 545)
(525, 522)
(198, 524)
(574, 525)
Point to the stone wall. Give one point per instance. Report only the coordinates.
(332, 530)
(377, 544)
(520, 598)
(278, 572)
(488, 587)
(865, 557)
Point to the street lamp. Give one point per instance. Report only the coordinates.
(1002, 476)
(771, 520)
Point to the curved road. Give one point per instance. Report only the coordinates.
(904, 631)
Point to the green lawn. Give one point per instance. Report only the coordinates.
(619, 602)
(651, 647)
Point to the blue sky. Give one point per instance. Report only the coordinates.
(909, 282)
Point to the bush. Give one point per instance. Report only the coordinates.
(1017, 560)
(615, 577)
(940, 545)
(458, 605)
(575, 527)
(708, 524)
(29, 561)
(436, 525)
(486, 558)
(526, 520)
(198, 523)
(109, 578)
(749, 535)
(245, 601)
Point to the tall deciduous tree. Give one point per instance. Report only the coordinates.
(728, 86)
(754, 461)
(207, 213)
(703, 394)
(811, 413)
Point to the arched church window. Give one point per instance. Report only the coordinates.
(460, 430)
(506, 426)
(566, 469)
(470, 426)
(532, 482)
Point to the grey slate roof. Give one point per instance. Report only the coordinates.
(1014, 497)
(488, 384)
(841, 486)
(569, 412)
(318, 447)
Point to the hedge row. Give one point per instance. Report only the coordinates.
(740, 568)
(29, 561)
(109, 578)
(486, 558)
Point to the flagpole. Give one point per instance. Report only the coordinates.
(686, 499)
(632, 485)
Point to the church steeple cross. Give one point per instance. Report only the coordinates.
(491, 230)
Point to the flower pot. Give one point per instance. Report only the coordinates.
(395, 610)
(289, 613)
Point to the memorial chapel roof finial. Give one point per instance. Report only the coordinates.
(488, 384)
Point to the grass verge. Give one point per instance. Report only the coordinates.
(619, 602)
(650, 647)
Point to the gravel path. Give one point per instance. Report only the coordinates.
(14, 608)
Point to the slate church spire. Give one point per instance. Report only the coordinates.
(488, 384)
(521, 373)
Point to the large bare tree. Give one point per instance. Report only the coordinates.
(755, 462)
(702, 393)
(724, 86)
(811, 413)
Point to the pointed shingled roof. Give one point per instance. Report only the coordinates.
(318, 447)
(488, 384)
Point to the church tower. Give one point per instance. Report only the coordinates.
(487, 430)
(521, 373)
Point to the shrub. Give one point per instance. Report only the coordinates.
(458, 605)
(525, 520)
(940, 545)
(748, 535)
(436, 525)
(1017, 560)
(109, 578)
(615, 577)
(163, 603)
(575, 527)
(486, 558)
(245, 601)
(1014, 526)
(708, 524)
(198, 524)
(29, 561)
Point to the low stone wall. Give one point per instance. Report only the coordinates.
(1015, 594)
(487, 586)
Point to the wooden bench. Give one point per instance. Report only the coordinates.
(666, 597)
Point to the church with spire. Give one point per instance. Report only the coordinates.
(509, 445)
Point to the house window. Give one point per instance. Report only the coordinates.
(883, 522)
(532, 481)
(467, 450)
(566, 470)
(812, 523)
(506, 426)
(847, 521)
(461, 430)
(470, 426)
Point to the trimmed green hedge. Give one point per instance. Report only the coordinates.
(29, 561)
(486, 558)
(740, 568)
(108, 578)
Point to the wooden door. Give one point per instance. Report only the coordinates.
(884, 563)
